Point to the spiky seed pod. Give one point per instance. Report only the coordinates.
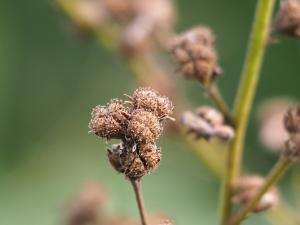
(108, 122)
(143, 126)
(194, 51)
(212, 116)
(287, 20)
(247, 187)
(292, 148)
(150, 156)
(136, 170)
(117, 109)
(150, 100)
(292, 119)
(224, 132)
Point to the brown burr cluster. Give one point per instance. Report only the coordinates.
(194, 51)
(292, 126)
(137, 126)
(206, 122)
(247, 187)
(287, 20)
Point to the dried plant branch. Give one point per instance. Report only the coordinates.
(244, 100)
(136, 184)
(279, 169)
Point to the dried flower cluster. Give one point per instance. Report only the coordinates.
(247, 187)
(138, 127)
(140, 21)
(292, 125)
(195, 53)
(207, 123)
(287, 20)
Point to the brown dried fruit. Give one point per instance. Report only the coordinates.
(150, 155)
(292, 119)
(148, 99)
(143, 127)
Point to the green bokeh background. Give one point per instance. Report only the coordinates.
(50, 80)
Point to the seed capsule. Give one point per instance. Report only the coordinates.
(150, 155)
(143, 126)
(292, 119)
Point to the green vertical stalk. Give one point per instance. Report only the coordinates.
(245, 96)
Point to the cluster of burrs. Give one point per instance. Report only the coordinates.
(246, 189)
(292, 126)
(206, 122)
(194, 51)
(138, 126)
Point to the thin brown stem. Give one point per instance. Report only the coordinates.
(136, 184)
(214, 93)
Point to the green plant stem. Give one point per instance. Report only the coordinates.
(244, 99)
(214, 93)
(136, 184)
(279, 169)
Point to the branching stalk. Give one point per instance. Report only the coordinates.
(279, 169)
(136, 184)
(244, 99)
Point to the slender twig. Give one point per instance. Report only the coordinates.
(279, 169)
(214, 93)
(244, 99)
(136, 184)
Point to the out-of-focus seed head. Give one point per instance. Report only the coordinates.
(90, 14)
(150, 155)
(143, 126)
(197, 125)
(292, 119)
(84, 208)
(120, 10)
(153, 21)
(272, 132)
(212, 116)
(287, 20)
(247, 187)
(195, 53)
(150, 100)
(292, 148)
(224, 132)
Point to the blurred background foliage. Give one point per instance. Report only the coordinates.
(49, 81)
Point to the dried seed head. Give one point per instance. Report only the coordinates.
(292, 148)
(194, 51)
(272, 132)
(150, 155)
(224, 132)
(247, 187)
(84, 208)
(150, 100)
(104, 125)
(118, 111)
(212, 116)
(135, 168)
(287, 20)
(143, 127)
(292, 119)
